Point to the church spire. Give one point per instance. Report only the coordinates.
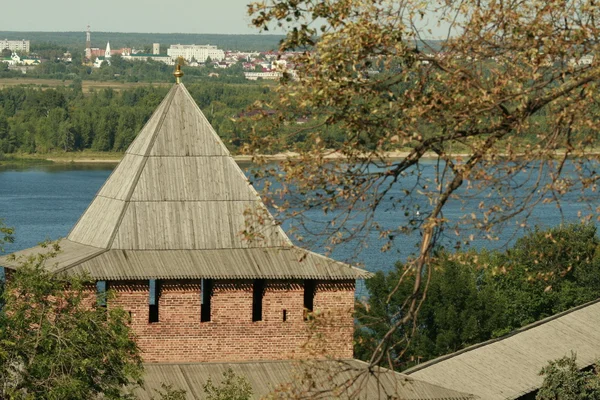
(107, 52)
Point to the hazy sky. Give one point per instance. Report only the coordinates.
(164, 16)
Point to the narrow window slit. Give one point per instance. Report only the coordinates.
(310, 286)
(153, 301)
(258, 289)
(101, 288)
(206, 293)
(284, 315)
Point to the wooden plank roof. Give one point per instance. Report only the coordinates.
(177, 187)
(509, 367)
(267, 376)
(179, 206)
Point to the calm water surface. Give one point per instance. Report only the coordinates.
(44, 202)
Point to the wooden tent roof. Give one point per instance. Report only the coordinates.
(178, 206)
(267, 376)
(509, 367)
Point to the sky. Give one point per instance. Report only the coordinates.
(160, 16)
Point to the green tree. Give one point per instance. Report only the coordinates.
(548, 271)
(463, 308)
(57, 343)
(564, 381)
(232, 387)
(6, 235)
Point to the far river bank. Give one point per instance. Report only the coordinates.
(88, 157)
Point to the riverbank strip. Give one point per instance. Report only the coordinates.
(114, 158)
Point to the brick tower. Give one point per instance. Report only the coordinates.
(183, 239)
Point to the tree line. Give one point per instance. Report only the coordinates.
(75, 41)
(33, 120)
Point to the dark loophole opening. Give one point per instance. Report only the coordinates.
(310, 287)
(153, 314)
(206, 290)
(153, 300)
(258, 289)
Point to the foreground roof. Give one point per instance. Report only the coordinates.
(268, 376)
(509, 367)
(179, 206)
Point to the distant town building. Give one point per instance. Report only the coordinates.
(272, 75)
(144, 57)
(155, 48)
(105, 58)
(240, 56)
(200, 53)
(67, 57)
(15, 60)
(15, 45)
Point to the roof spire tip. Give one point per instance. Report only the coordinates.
(178, 72)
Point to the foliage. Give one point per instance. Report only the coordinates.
(6, 234)
(63, 119)
(564, 381)
(548, 272)
(47, 51)
(232, 387)
(511, 88)
(168, 393)
(56, 343)
(476, 296)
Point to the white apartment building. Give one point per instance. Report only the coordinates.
(198, 52)
(271, 75)
(144, 57)
(15, 45)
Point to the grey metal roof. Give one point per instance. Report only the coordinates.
(509, 367)
(352, 376)
(179, 206)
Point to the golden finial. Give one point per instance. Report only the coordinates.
(178, 72)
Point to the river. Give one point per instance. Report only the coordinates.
(44, 202)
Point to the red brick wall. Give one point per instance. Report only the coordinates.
(179, 336)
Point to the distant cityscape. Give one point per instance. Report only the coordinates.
(256, 65)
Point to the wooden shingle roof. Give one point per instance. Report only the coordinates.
(179, 206)
(177, 187)
(509, 367)
(352, 378)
